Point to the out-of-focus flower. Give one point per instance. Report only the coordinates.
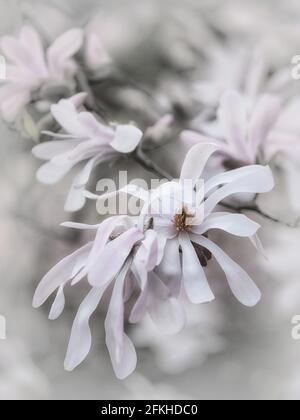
(30, 67)
(95, 55)
(250, 73)
(86, 139)
(123, 257)
(244, 139)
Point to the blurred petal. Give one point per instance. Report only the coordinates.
(264, 118)
(165, 311)
(63, 48)
(127, 138)
(170, 268)
(233, 117)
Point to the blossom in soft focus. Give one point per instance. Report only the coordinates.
(30, 66)
(85, 140)
(122, 256)
(243, 139)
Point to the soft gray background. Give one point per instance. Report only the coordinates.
(228, 351)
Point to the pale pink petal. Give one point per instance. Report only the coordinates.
(80, 339)
(196, 161)
(126, 139)
(60, 274)
(51, 149)
(12, 105)
(264, 118)
(58, 304)
(194, 279)
(165, 311)
(113, 257)
(64, 48)
(235, 224)
(233, 117)
(170, 268)
(52, 172)
(66, 115)
(259, 181)
(120, 347)
(241, 285)
(32, 42)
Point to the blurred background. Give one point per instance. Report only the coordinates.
(227, 351)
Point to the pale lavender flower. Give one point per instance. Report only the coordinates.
(245, 139)
(86, 140)
(184, 216)
(30, 66)
(123, 257)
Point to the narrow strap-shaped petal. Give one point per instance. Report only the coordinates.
(258, 180)
(80, 339)
(113, 256)
(64, 48)
(170, 268)
(65, 113)
(147, 254)
(235, 224)
(51, 149)
(194, 279)
(233, 117)
(264, 118)
(240, 283)
(58, 304)
(196, 161)
(32, 41)
(120, 347)
(52, 172)
(126, 139)
(60, 274)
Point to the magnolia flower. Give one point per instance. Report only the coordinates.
(86, 139)
(122, 257)
(183, 215)
(244, 139)
(30, 67)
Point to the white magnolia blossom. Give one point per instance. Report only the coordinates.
(29, 66)
(247, 139)
(184, 215)
(85, 140)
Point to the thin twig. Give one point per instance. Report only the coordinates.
(147, 163)
(254, 208)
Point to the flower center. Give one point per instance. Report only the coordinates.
(180, 220)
